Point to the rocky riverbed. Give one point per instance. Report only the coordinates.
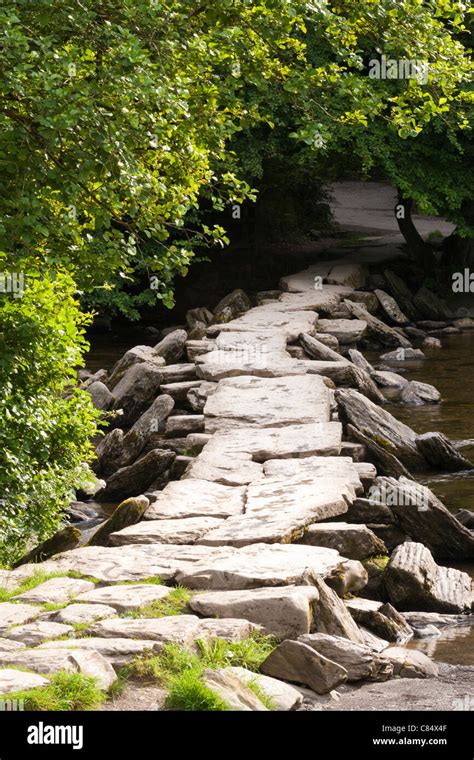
(257, 466)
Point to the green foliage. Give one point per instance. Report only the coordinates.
(45, 423)
(189, 693)
(65, 691)
(247, 653)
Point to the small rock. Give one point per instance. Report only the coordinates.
(82, 614)
(410, 663)
(281, 694)
(16, 614)
(55, 591)
(353, 541)
(172, 347)
(12, 680)
(360, 661)
(32, 634)
(235, 694)
(419, 393)
(403, 355)
(125, 598)
(101, 396)
(391, 308)
(127, 513)
(431, 342)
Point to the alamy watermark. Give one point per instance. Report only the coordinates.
(396, 495)
(463, 282)
(12, 283)
(399, 68)
(12, 705)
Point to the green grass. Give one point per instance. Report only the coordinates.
(261, 695)
(152, 580)
(174, 604)
(179, 670)
(38, 577)
(189, 693)
(65, 691)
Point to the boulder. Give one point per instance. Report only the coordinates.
(178, 373)
(351, 576)
(300, 663)
(415, 582)
(285, 612)
(401, 293)
(318, 350)
(360, 661)
(430, 306)
(282, 696)
(359, 360)
(370, 510)
(391, 308)
(440, 453)
(381, 619)
(232, 306)
(389, 379)
(431, 342)
(353, 541)
(136, 355)
(198, 395)
(180, 426)
(410, 663)
(375, 328)
(55, 591)
(137, 477)
(228, 687)
(228, 629)
(63, 540)
(58, 658)
(347, 273)
(127, 513)
(152, 421)
(387, 463)
(136, 391)
(366, 298)
(425, 518)
(172, 347)
(345, 330)
(380, 426)
(416, 393)
(403, 355)
(330, 616)
(118, 652)
(100, 395)
(344, 375)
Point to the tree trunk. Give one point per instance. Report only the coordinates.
(417, 247)
(458, 252)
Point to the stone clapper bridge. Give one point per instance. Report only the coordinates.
(254, 527)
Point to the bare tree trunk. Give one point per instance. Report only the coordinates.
(417, 247)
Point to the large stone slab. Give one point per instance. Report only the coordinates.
(260, 565)
(284, 612)
(131, 563)
(415, 582)
(352, 541)
(278, 509)
(55, 591)
(12, 680)
(345, 330)
(35, 633)
(247, 353)
(340, 469)
(118, 651)
(232, 690)
(180, 629)
(272, 320)
(229, 629)
(281, 695)
(360, 661)
(196, 498)
(265, 402)
(82, 614)
(299, 663)
(57, 658)
(125, 598)
(186, 530)
(298, 440)
(226, 468)
(325, 301)
(16, 614)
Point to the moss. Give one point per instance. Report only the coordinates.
(379, 560)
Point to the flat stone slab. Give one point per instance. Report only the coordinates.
(12, 680)
(130, 596)
(261, 565)
(229, 629)
(295, 440)
(56, 591)
(342, 469)
(57, 658)
(272, 320)
(324, 301)
(35, 633)
(265, 402)
(282, 696)
(345, 330)
(118, 651)
(304, 281)
(16, 614)
(285, 612)
(180, 629)
(187, 530)
(7, 645)
(196, 498)
(131, 563)
(224, 468)
(247, 353)
(347, 273)
(82, 614)
(353, 541)
(232, 691)
(278, 510)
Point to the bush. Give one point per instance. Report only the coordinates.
(45, 422)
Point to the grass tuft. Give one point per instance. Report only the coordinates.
(188, 693)
(174, 604)
(65, 691)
